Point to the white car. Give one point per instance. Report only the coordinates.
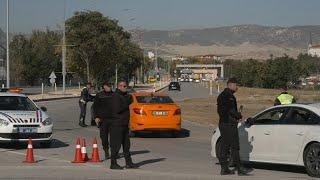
(285, 134)
(21, 118)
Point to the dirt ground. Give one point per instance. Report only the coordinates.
(254, 100)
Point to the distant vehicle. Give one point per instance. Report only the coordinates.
(197, 80)
(152, 80)
(285, 134)
(174, 86)
(21, 119)
(154, 112)
(181, 79)
(190, 80)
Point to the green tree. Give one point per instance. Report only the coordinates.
(35, 58)
(99, 45)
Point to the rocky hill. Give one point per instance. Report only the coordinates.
(247, 40)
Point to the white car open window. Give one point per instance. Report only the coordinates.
(273, 116)
(301, 116)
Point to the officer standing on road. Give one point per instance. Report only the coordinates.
(102, 107)
(84, 99)
(228, 126)
(119, 132)
(284, 98)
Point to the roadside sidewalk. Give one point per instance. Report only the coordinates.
(74, 93)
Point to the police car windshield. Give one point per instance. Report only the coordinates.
(154, 99)
(16, 103)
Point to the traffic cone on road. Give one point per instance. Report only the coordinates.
(78, 156)
(95, 152)
(84, 154)
(29, 155)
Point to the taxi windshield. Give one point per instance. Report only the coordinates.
(154, 99)
(16, 103)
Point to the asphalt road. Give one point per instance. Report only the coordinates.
(159, 155)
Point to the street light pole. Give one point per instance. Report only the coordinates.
(8, 71)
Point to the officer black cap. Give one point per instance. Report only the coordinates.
(233, 80)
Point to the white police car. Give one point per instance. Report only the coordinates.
(21, 119)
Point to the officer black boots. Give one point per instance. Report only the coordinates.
(81, 122)
(130, 164)
(225, 170)
(242, 171)
(115, 165)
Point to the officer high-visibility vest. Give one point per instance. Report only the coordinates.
(285, 98)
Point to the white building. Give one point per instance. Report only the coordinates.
(314, 50)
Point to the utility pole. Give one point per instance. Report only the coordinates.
(8, 70)
(64, 50)
(156, 57)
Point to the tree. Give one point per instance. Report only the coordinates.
(99, 44)
(34, 58)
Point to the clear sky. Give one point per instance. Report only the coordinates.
(26, 15)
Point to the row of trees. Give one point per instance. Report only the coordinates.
(274, 72)
(97, 45)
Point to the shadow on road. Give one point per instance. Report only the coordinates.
(150, 161)
(276, 167)
(184, 133)
(134, 153)
(36, 145)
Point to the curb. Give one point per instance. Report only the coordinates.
(60, 98)
(53, 99)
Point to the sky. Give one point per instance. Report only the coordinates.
(27, 15)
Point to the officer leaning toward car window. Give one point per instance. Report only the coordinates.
(228, 126)
(85, 97)
(102, 108)
(284, 98)
(119, 132)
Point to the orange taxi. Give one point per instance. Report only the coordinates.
(154, 112)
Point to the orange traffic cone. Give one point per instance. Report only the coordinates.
(95, 153)
(84, 150)
(29, 155)
(78, 157)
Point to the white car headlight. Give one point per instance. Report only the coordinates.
(4, 122)
(47, 122)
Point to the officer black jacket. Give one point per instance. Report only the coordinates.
(227, 107)
(102, 106)
(120, 107)
(85, 95)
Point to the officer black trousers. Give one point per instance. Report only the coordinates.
(229, 140)
(83, 110)
(119, 135)
(104, 133)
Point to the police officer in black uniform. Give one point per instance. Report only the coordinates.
(119, 132)
(84, 99)
(102, 107)
(228, 126)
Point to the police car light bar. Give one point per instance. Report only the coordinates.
(12, 90)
